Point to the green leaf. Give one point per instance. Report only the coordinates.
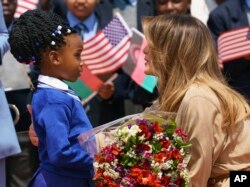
(130, 163)
(133, 139)
(156, 147)
(171, 128)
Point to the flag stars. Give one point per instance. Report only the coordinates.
(116, 31)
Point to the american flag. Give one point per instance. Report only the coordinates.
(108, 50)
(24, 5)
(234, 44)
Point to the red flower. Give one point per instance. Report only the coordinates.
(176, 154)
(165, 180)
(115, 150)
(168, 155)
(179, 182)
(136, 172)
(159, 157)
(145, 131)
(143, 147)
(98, 174)
(145, 177)
(105, 181)
(146, 164)
(165, 143)
(148, 179)
(157, 127)
(98, 158)
(108, 181)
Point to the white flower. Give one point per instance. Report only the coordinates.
(112, 173)
(141, 138)
(166, 165)
(96, 165)
(158, 136)
(159, 175)
(125, 133)
(134, 130)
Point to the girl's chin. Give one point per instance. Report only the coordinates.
(73, 79)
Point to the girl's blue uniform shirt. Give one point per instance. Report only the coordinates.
(59, 118)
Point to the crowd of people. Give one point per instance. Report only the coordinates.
(210, 100)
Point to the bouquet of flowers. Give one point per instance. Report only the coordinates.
(146, 150)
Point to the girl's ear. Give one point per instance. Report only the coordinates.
(54, 57)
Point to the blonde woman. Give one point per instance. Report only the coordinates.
(181, 54)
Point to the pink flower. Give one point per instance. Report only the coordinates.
(182, 135)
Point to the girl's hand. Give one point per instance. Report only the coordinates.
(32, 134)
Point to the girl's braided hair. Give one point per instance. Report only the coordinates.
(36, 31)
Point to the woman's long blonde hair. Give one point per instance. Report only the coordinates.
(183, 53)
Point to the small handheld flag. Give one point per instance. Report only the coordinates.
(24, 5)
(234, 44)
(108, 50)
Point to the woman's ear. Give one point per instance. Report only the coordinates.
(54, 57)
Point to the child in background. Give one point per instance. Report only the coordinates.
(88, 17)
(47, 41)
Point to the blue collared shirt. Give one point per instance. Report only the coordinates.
(52, 82)
(248, 3)
(4, 44)
(90, 23)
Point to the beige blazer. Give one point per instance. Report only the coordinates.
(215, 149)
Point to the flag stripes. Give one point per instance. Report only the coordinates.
(108, 50)
(234, 44)
(92, 81)
(24, 5)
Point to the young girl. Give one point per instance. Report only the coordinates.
(45, 40)
(181, 54)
